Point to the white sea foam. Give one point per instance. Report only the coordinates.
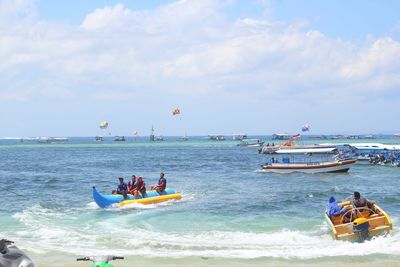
(62, 231)
(92, 206)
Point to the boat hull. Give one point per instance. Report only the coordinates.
(322, 167)
(104, 201)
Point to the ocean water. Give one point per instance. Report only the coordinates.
(230, 215)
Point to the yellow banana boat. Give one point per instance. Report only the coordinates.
(151, 200)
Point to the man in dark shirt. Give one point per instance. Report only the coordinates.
(122, 188)
(360, 202)
(162, 184)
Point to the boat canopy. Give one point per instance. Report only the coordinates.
(322, 150)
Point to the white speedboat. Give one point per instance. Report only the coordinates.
(310, 167)
(251, 143)
(291, 147)
(374, 153)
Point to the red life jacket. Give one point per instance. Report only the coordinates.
(162, 182)
(141, 185)
(132, 185)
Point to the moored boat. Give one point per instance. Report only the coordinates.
(215, 137)
(183, 138)
(251, 143)
(359, 224)
(119, 138)
(308, 167)
(51, 140)
(103, 200)
(281, 136)
(291, 147)
(239, 137)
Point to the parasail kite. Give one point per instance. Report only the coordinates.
(176, 111)
(306, 127)
(103, 125)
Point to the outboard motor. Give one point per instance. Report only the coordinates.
(360, 228)
(11, 256)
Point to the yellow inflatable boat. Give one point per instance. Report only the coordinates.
(359, 224)
(151, 200)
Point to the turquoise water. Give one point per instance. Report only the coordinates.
(230, 212)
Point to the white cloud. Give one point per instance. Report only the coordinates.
(187, 42)
(382, 56)
(108, 18)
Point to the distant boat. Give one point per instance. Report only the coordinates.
(281, 136)
(159, 138)
(27, 139)
(251, 143)
(216, 137)
(99, 138)
(48, 140)
(291, 147)
(397, 135)
(369, 136)
(239, 136)
(119, 138)
(183, 138)
(154, 138)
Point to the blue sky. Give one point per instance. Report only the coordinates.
(231, 66)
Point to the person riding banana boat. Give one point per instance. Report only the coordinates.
(122, 188)
(162, 184)
(356, 220)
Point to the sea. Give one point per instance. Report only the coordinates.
(231, 214)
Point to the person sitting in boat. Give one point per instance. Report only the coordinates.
(162, 184)
(140, 188)
(334, 209)
(360, 202)
(122, 188)
(132, 185)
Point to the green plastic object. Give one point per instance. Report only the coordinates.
(101, 264)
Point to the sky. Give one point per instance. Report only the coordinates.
(231, 66)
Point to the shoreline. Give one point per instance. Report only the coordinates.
(356, 261)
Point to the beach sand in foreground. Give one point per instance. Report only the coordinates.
(360, 261)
